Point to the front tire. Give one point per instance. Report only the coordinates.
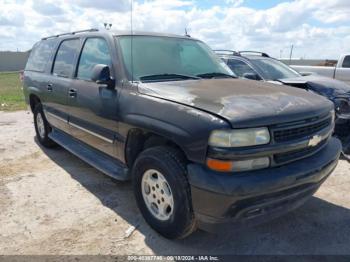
(162, 192)
(42, 127)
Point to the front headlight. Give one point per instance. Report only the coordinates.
(240, 137)
(342, 105)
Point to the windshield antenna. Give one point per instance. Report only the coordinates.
(131, 41)
(186, 33)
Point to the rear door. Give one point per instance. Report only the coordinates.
(93, 107)
(60, 81)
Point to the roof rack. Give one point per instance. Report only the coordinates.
(254, 52)
(231, 52)
(71, 33)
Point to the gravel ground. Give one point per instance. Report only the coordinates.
(53, 203)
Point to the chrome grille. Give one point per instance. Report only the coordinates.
(283, 158)
(303, 131)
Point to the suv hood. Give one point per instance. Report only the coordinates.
(241, 102)
(325, 86)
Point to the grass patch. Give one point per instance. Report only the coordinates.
(11, 92)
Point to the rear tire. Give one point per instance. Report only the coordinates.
(42, 127)
(163, 193)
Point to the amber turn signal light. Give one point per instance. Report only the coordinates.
(219, 165)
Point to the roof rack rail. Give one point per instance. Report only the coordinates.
(71, 33)
(254, 52)
(232, 52)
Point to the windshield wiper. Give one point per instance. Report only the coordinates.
(166, 77)
(216, 74)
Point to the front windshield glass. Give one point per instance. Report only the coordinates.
(272, 69)
(170, 57)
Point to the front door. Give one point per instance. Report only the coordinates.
(93, 107)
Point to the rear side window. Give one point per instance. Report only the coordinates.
(64, 63)
(40, 55)
(239, 67)
(346, 62)
(95, 52)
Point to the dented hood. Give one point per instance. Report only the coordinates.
(241, 102)
(325, 86)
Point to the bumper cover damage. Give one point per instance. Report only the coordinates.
(222, 199)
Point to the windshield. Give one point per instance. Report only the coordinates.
(272, 69)
(161, 58)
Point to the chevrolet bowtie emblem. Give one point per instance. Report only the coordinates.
(315, 140)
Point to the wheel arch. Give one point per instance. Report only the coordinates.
(139, 139)
(33, 101)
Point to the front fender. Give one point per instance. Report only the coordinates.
(187, 127)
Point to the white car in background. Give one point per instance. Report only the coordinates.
(340, 72)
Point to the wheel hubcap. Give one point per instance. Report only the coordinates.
(157, 194)
(40, 125)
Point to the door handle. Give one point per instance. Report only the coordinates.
(72, 93)
(49, 87)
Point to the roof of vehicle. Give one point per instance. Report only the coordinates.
(242, 54)
(145, 33)
(94, 31)
(227, 52)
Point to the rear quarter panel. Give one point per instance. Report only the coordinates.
(33, 85)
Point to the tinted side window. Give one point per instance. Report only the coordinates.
(65, 57)
(239, 67)
(95, 52)
(40, 55)
(346, 62)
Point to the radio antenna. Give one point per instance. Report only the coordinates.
(131, 40)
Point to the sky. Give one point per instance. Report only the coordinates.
(318, 29)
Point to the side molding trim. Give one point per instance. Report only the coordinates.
(92, 133)
(55, 116)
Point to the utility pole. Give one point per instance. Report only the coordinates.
(291, 54)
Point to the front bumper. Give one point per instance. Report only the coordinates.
(343, 117)
(221, 199)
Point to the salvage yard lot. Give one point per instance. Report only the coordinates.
(11, 93)
(53, 203)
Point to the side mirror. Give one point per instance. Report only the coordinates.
(251, 76)
(101, 75)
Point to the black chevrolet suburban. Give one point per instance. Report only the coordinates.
(202, 148)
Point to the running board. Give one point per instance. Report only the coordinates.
(106, 164)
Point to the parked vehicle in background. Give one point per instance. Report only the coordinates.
(262, 67)
(202, 147)
(340, 72)
(308, 62)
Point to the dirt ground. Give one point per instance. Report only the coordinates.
(53, 203)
